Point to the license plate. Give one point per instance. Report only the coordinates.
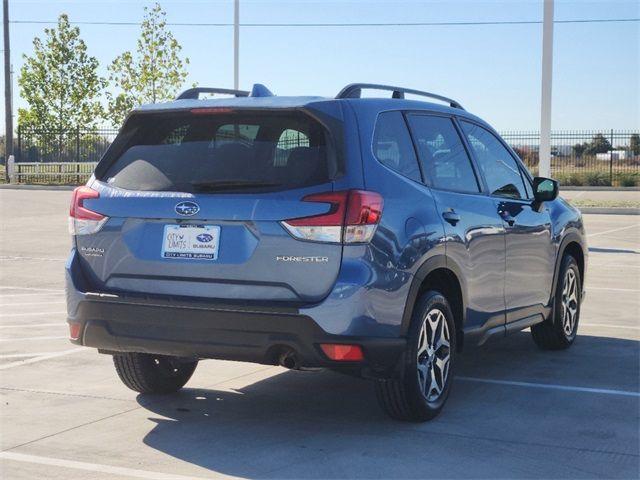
(192, 242)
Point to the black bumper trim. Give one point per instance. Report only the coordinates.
(117, 325)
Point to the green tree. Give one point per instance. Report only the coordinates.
(579, 149)
(634, 144)
(60, 82)
(598, 144)
(153, 74)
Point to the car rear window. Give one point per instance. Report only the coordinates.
(225, 152)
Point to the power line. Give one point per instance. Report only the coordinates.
(377, 24)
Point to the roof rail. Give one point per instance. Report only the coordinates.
(354, 90)
(194, 93)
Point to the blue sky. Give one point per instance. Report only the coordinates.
(494, 71)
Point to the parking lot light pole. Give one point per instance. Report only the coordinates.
(236, 44)
(547, 79)
(8, 104)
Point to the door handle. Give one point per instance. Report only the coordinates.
(506, 216)
(451, 217)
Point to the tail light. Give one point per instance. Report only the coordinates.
(353, 218)
(83, 221)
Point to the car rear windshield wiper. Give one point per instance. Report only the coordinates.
(220, 185)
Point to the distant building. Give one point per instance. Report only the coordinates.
(564, 150)
(613, 154)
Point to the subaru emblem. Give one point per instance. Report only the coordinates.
(204, 238)
(187, 209)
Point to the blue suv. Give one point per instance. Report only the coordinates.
(371, 236)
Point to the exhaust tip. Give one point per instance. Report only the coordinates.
(289, 359)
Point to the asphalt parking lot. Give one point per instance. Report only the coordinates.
(515, 412)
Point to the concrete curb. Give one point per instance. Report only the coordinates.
(7, 186)
(609, 211)
(599, 189)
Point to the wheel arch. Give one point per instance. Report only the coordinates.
(576, 252)
(441, 274)
(572, 243)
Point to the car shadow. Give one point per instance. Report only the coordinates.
(294, 417)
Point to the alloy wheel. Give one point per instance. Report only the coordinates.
(434, 354)
(569, 302)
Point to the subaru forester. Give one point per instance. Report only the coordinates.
(372, 236)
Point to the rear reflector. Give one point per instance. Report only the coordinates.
(342, 353)
(74, 331)
(83, 221)
(353, 217)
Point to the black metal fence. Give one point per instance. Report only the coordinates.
(595, 157)
(62, 146)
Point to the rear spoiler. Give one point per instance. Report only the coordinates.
(258, 90)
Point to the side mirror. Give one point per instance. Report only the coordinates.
(545, 189)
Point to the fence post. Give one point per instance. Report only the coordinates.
(19, 142)
(77, 144)
(611, 160)
(11, 169)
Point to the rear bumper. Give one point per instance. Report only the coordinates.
(190, 328)
(127, 324)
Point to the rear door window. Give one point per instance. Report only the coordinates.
(392, 145)
(444, 160)
(239, 152)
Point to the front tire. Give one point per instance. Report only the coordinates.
(148, 373)
(558, 332)
(423, 387)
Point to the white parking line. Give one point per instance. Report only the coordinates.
(34, 289)
(13, 257)
(25, 339)
(30, 303)
(30, 314)
(34, 325)
(41, 358)
(612, 230)
(612, 265)
(27, 355)
(34, 294)
(549, 386)
(604, 325)
(96, 467)
(613, 289)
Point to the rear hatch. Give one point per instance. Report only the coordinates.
(193, 203)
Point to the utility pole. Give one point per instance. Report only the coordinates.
(236, 44)
(547, 80)
(8, 104)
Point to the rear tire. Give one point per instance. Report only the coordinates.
(148, 373)
(558, 332)
(423, 387)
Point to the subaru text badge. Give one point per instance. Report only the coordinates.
(187, 209)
